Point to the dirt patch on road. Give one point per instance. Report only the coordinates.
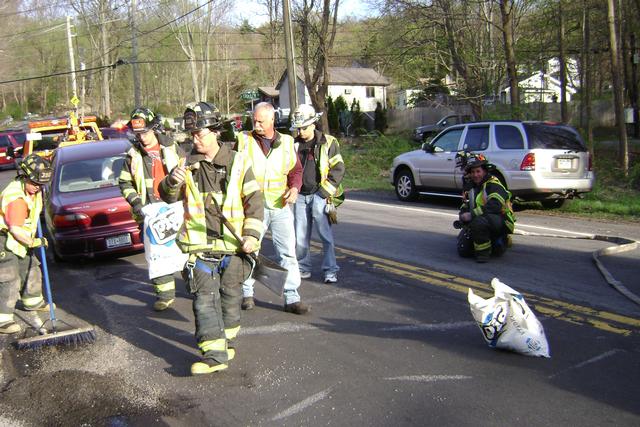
(74, 397)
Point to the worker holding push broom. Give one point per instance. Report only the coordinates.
(20, 274)
(20, 207)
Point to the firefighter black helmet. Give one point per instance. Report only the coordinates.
(36, 169)
(143, 120)
(200, 115)
(476, 160)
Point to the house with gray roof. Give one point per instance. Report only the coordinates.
(364, 84)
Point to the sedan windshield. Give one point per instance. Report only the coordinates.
(90, 174)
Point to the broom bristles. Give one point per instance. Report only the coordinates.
(73, 337)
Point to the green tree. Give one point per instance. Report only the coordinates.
(380, 118)
(357, 118)
(332, 113)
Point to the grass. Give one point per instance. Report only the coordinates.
(368, 160)
(614, 197)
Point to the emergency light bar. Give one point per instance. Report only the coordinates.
(59, 122)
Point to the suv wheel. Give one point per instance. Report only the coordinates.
(552, 203)
(405, 187)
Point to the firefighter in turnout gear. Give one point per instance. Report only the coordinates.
(20, 275)
(279, 174)
(323, 170)
(219, 193)
(151, 157)
(486, 215)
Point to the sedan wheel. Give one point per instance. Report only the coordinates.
(405, 187)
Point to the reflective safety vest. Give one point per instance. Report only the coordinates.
(192, 237)
(271, 170)
(507, 210)
(15, 190)
(169, 157)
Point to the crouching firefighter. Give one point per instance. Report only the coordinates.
(20, 275)
(486, 215)
(219, 193)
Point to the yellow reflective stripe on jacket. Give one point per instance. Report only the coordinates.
(507, 209)
(270, 171)
(15, 190)
(325, 164)
(193, 234)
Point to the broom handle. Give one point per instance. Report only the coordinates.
(45, 276)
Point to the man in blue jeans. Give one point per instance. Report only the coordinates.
(323, 170)
(277, 169)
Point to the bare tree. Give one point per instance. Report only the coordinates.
(317, 25)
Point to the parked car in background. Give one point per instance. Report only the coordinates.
(422, 133)
(85, 213)
(537, 161)
(11, 145)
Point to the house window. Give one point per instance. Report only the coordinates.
(347, 91)
(371, 92)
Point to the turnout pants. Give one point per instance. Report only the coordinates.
(482, 236)
(216, 287)
(20, 278)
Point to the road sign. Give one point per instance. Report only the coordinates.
(75, 101)
(249, 95)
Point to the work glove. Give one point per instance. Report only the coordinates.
(331, 211)
(137, 210)
(39, 242)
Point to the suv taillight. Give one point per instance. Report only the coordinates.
(73, 220)
(528, 163)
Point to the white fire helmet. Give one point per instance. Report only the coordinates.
(304, 116)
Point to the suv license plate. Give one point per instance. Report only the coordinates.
(564, 163)
(118, 241)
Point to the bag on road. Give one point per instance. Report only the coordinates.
(161, 225)
(507, 322)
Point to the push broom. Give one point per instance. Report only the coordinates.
(60, 332)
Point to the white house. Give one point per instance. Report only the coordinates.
(544, 87)
(404, 98)
(363, 84)
(539, 88)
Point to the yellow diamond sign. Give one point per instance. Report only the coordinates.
(75, 101)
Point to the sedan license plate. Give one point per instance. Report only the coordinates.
(118, 241)
(564, 163)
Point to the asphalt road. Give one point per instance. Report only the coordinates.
(393, 343)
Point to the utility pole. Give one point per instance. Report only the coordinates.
(72, 67)
(291, 63)
(134, 56)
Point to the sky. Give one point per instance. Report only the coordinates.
(356, 8)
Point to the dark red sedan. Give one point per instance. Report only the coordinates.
(85, 213)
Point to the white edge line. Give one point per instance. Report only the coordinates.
(429, 378)
(300, 406)
(588, 362)
(430, 326)
(450, 215)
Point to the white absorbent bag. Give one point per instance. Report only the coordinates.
(161, 225)
(507, 322)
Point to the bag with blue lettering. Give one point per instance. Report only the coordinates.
(507, 322)
(161, 225)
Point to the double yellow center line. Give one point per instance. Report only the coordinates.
(568, 312)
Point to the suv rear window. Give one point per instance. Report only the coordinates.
(553, 137)
(509, 137)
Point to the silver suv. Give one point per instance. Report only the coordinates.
(536, 160)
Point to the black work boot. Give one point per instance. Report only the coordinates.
(297, 308)
(483, 257)
(248, 303)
